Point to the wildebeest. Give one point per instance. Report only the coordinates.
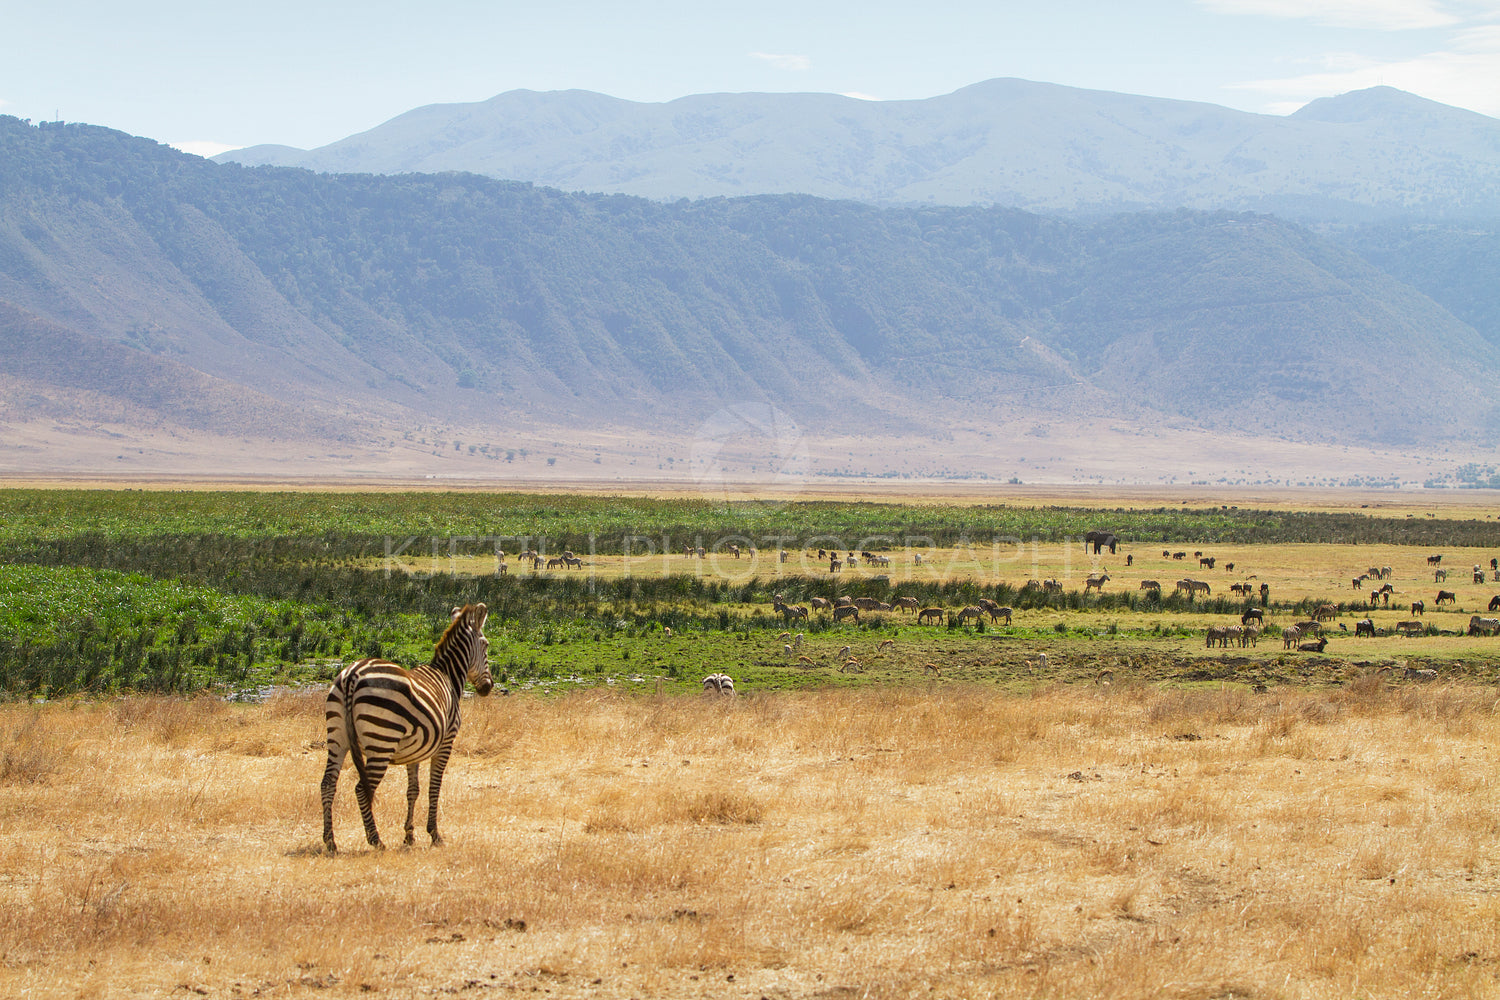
(1252, 615)
(1099, 539)
(1364, 626)
(1420, 607)
(1446, 595)
(1434, 560)
(1495, 603)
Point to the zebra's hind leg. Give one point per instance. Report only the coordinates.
(364, 791)
(413, 789)
(330, 786)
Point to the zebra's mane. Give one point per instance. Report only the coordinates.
(468, 618)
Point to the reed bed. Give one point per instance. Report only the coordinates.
(1105, 840)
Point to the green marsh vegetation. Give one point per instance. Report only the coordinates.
(115, 590)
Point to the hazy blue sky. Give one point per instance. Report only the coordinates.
(208, 76)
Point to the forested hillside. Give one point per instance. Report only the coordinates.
(483, 300)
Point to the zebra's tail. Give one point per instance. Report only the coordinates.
(356, 752)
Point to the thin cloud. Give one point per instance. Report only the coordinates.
(1381, 15)
(789, 63)
(1462, 75)
(202, 148)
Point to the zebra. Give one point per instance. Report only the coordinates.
(382, 714)
(720, 684)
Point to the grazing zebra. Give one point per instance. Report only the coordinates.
(972, 611)
(720, 684)
(1483, 626)
(382, 714)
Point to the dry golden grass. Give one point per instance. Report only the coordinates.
(1099, 842)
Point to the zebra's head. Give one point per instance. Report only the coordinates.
(470, 620)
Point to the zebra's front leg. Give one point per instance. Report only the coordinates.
(413, 789)
(435, 785)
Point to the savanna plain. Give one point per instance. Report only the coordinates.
(1088, 801)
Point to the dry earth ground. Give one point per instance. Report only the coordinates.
(1120, 841)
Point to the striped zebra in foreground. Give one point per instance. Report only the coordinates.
(382, 714)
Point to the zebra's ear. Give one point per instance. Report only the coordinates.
(457, 612)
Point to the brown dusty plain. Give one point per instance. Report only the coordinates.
(1447, 503)
(1089, 841)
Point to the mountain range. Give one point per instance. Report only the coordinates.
(164, 311)
(1041, 147)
